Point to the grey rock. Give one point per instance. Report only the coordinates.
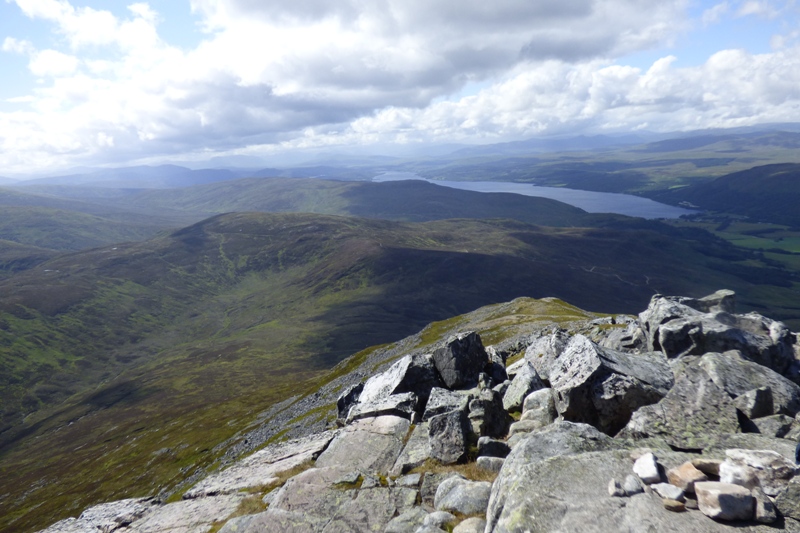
(439, 519)
(449, 436)
(370, 482)
(347, 399)
(772, 469)
(646, 467)
(471, 525)
(755, 403)
(632, 485)
(416, 451)
(602, 387)
(525, 382)
(513, 368)
(407, 522)
(430, 482)
(459, 495)
(496, 367)
(429, 529)
(544, 351)
(523, 426)
(615, 489)
(402, 405)
(369, 444)
(490, 447)
(350, 478)
(628, 339)
(490, 464)
(540, 400)
(443, 401)
(765, 512)
(264, 466)
(187, 515)
(240, 524)
(724, 501)
(488, 416)
(774, 426)
(502, 387)
(413, 373)
(409, 480)
(110, 516)
(668, 491)
(722, 300)
(689, 416)
(733, 373)
(788, 501)
(460, 360)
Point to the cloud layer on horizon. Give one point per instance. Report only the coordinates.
(272, 75)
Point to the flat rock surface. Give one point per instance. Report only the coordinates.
(369, 444)
(187, 516)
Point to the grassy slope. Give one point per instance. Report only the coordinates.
(161, 340)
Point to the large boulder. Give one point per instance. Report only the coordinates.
(457, 494)
(525, 382)
(487, 415)
(544, 351)
(449, 435)
(443, 401)
(416, 451)
(691, 413)
(403, 405)
(368, 444)
(413, 373)
(602, 387)
(461, 360)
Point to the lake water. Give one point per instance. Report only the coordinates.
(590, 201)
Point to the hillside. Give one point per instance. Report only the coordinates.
(142, 341)
(769, 193)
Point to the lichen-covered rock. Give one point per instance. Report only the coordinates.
(755, 403)
(407, 522)
(461, 360)
(602, 387)
(475, 524)
(415, 452)
(544, 351)
(369, 444)
(490, 447)
(487, 414)
(449, 436)
(459, 495)
(775, 426)
(443, 401)
(414, 373)
(525, 382)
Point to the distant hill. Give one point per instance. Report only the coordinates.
(768, 193)
(15, 257)
(162, 176)
(128, 356)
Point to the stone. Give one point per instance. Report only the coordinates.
(368, 444)
(544, 351)
(523, 426)
(755, 403)
(264, 466)
(675, 506)
(114, 515)
(741, 475)
(737, 375)
(459, 495)
(772, 470)
(239, 524)
(603, 387)
(628, 339)
(475, 524)
(443, 401)
(710, 467)
(668, 491)
(685, 476)
(691, 413)
(765, 510)
(409, 480)
(488, 416)
(632, 485)
(490, 464)
(724, 501)
(407, 522)
(412, 373)
(788, 500)
(496, 367)
(646, 467)
(440, 519)
(525, 382)
(348, 399)
(448, 435)
(402, 405)
(416, 451)
(541, 400)
(774, 426)
(502, 387)
(615, 489)
(430, 482)
(188, 515)
(461, 360)
(490, 447)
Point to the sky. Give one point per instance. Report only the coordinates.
(110, 82)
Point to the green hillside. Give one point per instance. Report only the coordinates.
(118, 363)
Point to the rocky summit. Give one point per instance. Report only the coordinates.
(681, 419)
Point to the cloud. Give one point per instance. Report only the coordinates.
(712, 15)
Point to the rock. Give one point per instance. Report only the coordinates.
(443, 401)
(788, 501)
(772, 470)
(646, 467)
(416, 451)
(755, 403)
(490, 447)
(523, 426)
(668, 491)
(765, 510)
(238, 524)
(525, 382)
(628, 339)
(737, 376)
(113, 515)
(471, 525)
(459, 495)
(449, 436)
(774, 426)
(413, 373)
(710, 467)
(188, 515)
(544, 351)
(440, 519)
(632, 486)
(488, 416)
(539, 406)
(685, 476)
(692, 412)
(615, 489)
(430, 482)
(402, 405)
(603, 387)
(723, 300)
(368, 444)
(675, 506)
(490, 464)
(496, 367)
(409, 480)
(724, 501)
(460, 360)
(407, 522)
(502, 387)
(348, 399)
(264, 466)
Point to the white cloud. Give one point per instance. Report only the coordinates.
(52, 63)
(714, 14)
